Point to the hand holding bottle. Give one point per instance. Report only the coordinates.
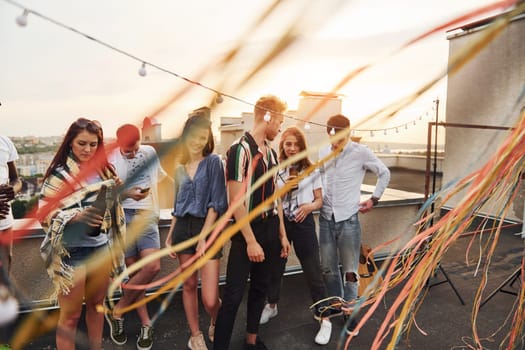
(7, 193)
(92, 217)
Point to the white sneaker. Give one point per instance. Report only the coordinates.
(324, 334)
(197, 342)
(267, 313)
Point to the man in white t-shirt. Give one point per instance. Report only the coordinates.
(140, 169)
(10, 184)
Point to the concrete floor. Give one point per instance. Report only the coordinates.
(446, 322)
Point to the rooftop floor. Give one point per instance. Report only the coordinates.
(445, 320)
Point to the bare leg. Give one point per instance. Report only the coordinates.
(97, 283)
(70, 311)
(210, 288)
(144, 276)
(190, 298)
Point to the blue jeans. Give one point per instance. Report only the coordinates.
(340, 242)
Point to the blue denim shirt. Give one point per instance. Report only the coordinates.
(206, 190)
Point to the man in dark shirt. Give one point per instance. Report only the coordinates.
(252, 252)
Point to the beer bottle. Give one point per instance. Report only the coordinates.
(100, 205)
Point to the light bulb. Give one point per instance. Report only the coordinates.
(219, 99)
(267, 117)
(142, 70)
(371, 133)
(21, 20)
(397, 130)
(384, 132)
(332, 131)
(406, 126)
(307, 126)
(414, 122)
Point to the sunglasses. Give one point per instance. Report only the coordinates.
(90, 125)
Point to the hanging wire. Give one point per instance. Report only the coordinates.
(22, 21)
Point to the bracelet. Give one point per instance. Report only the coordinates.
(374, 200)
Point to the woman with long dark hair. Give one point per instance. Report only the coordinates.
(80, 214)
(200, 198)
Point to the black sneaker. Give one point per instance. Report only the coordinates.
(351, 327)
(145, 339)
(259, 345)
(116, 329)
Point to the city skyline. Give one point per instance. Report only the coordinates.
(55, 76)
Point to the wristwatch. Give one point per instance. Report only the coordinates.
(374, 200)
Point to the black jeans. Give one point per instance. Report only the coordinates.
(304, 239)
(239, 268)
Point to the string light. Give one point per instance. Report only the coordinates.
(142, 70)
(21, 20)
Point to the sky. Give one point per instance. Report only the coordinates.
(51, 75)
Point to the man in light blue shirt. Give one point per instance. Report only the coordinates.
(339, 228)
(139, 167)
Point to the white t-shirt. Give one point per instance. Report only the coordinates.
(8, 154)
(143, 170)
(303, 194)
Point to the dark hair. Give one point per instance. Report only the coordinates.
(127, 135)
(301, 139)
(337, 122)
(200, 121)
(79, 125)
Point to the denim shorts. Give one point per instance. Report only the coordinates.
(149, 238)
(187, 227)
(79, 255)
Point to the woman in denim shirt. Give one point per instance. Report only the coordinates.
(200, 198)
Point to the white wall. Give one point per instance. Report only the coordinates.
(483, 92)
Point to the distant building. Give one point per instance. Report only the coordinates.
(313, 111)
(151, 130)
(315, 108)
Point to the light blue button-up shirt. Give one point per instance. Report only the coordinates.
(343, 177)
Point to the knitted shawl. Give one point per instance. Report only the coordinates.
(65, 179)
